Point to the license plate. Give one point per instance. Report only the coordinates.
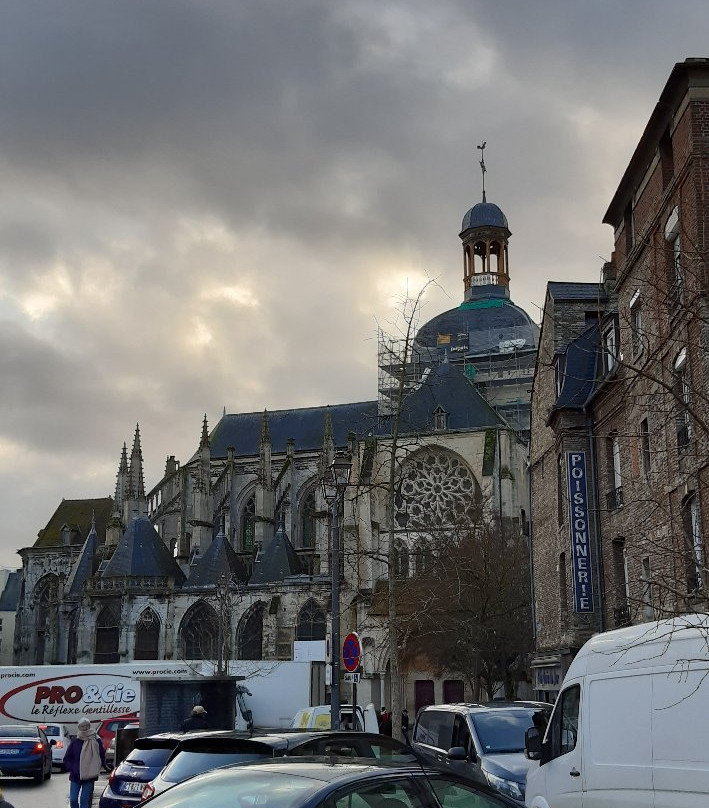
(133, 788)
(9, 751)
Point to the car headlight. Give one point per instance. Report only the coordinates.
(508, 787)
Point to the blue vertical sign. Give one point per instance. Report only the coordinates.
(580, 532)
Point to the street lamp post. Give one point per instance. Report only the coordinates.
(334, 482)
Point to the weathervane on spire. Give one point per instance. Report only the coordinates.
(482, 164)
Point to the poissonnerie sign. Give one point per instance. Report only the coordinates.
(580, 532)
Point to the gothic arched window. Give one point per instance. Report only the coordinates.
(311, 622)
(307, 522)
(199, 632)
(401, 561)
(250, 633)
(47, 610)
(248, 524)
(147, 636)
(108, 629)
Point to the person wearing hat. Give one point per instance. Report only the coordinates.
(197, 720)
(84, 759)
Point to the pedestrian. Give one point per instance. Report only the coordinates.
(385, 722)
(404, 722)
(3, 802)
(197, 720)
(84, 759)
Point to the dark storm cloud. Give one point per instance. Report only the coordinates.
(206, 204)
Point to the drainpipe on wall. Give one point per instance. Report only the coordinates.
(596, 515)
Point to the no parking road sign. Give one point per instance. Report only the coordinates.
(351, 652)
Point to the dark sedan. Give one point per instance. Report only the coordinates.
(206, 751)
(320, 783)
(25, 752)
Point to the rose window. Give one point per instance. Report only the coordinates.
(437, 489)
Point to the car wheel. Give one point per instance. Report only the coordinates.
(39, 777)
(49, 772)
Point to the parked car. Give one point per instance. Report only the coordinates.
(484, 742)
(313, 783)
(200, 753)
(109, 726)
(25, 752)
(59, 738)
(319, 718)
(143, 763)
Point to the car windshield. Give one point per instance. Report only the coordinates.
(14, 731)
(228, 788)
(52, 730)
(148, 757)
(186, 764)
(501, 730)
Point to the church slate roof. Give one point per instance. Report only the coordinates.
(305, 426)
(10, 597)
(278, 560)
(78, 514)
(446, 387)
(219, 559)
(141, 552)
(84, 566)
(580, 367)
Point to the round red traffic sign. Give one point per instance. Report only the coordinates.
(351, 652)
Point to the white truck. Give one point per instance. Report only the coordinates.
(270, 693)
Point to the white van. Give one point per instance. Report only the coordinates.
(319, 718)
(630, 726)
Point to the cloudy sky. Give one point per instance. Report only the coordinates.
(211, 203)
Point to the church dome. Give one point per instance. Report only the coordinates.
(489, 323)
(484, 214)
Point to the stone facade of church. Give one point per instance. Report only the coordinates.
(229, 553)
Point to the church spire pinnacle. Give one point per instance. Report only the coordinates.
(204, 441)
(136, 486)
(265, 432)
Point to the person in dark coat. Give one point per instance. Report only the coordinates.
(197, 720)
(3, 802)
(84, 759)
(404, 722)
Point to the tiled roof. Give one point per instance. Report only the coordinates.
(278, 560)
(305, 426)
(445, 387)
(220, 559)
(10, 596)
(580, 364)
(84, 567)
(78, 515)
(142, 552)
(576, 291)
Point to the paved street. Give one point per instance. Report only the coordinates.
(23, 793)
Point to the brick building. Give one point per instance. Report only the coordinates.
(620, 423)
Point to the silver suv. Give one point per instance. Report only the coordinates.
(485, 742)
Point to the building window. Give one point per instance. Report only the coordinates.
(311, 622)
(147, 636)
(615, 495)
(199, 632)
(636, 324)
(683, 399)
(559, 373)
(645, 446)
(610, 347)
(108, 628)
(694, 545)
(307, 523)
(621, 610)
(440, 419)
(250, 633)
(248, 524)
(675, 276)
(629, 229)
(401, 561)
(648, 609)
